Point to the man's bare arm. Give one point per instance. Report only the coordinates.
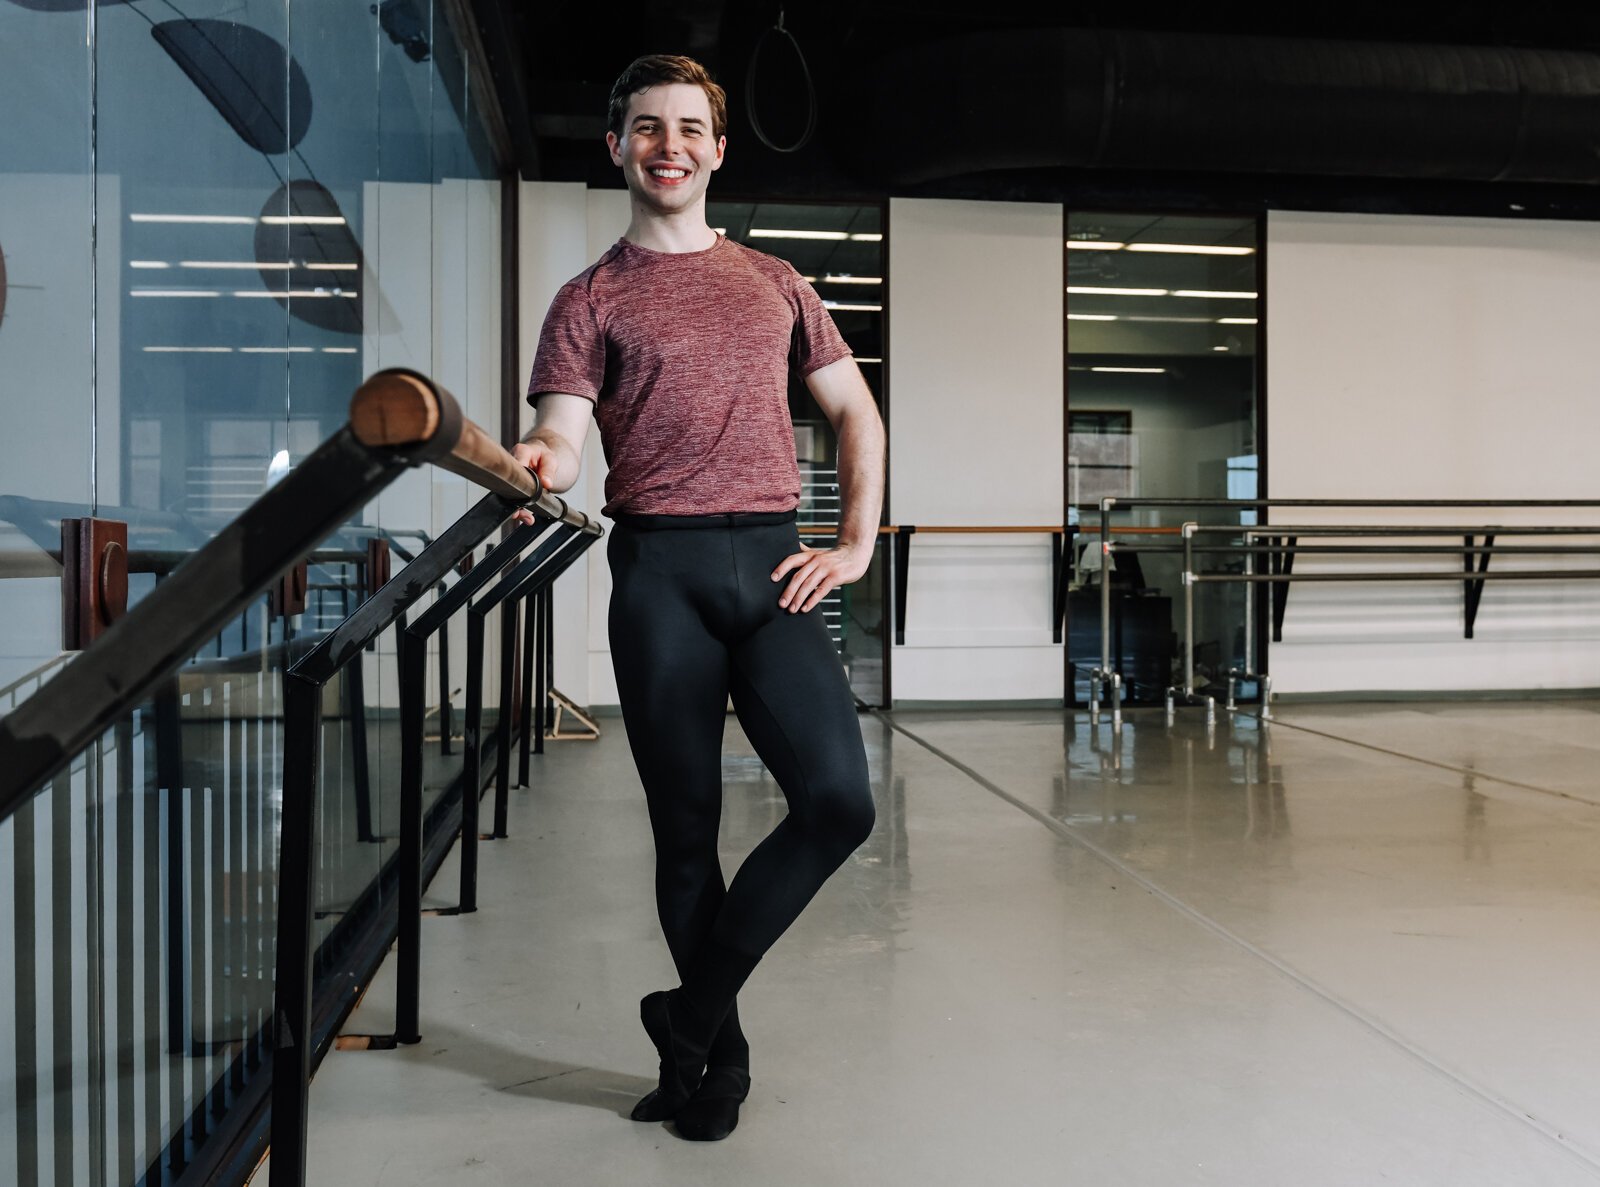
(847, 402)
(554, 449)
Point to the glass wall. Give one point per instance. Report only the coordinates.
(214, 221)
(841, 252)
(1162, 321)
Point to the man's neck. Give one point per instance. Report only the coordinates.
(672, 233)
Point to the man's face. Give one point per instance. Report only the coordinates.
(666, 151)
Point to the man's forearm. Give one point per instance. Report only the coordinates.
(861, 466)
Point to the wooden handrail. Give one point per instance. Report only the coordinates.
(399, 408)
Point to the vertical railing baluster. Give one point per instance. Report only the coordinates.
(61, 937)
(413, 661)
(502, 758)
(472, 770)
(446, 716)
(530, 719)
(94, 779)
(291, 1054)
(128, 958)
(25, 1003)
(547, 623)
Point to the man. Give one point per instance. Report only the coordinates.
(679, 343)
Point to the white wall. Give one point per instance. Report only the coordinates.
(564, 228)
(976, 438)
(46, 367)
(1434, 358)
(433, 269)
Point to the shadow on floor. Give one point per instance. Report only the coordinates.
(518, 1073)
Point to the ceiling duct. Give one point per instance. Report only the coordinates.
(1100, 99)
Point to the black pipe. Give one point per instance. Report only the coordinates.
(1135, 100)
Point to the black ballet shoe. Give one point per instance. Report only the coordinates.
(712, 1113)
(672, 1028)
(658, 1106)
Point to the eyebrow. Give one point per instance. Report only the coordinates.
(688, 119)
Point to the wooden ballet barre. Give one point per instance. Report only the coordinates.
(952, 529)
(402, 408)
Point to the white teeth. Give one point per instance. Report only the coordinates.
(669, 172)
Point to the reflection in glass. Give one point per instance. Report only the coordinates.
(1162, 319)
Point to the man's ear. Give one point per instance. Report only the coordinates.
(722, 147)
(614, 146)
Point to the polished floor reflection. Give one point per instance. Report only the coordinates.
(1356, 945)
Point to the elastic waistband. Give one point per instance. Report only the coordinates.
(734, 519)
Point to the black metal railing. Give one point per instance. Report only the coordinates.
(298, 1043)
(126, 710)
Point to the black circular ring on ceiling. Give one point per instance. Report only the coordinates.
(750, 91)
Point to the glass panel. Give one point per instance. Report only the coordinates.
(46, 302)
(209, 231)
(137, 898)
(1161, 404)
(841, 251)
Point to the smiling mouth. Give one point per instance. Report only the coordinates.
(668, 174)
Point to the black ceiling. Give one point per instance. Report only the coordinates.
(565, 55)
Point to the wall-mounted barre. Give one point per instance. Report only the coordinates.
(899, 538)
(1105, 676)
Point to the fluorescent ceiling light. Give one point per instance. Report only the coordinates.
(293, 293)
(303, 220)
(276, 349)
(173, 293)
(1132, 370)
(1237, 321)
(338, 350)
(852, 280)
(861, 358)
(1094, 245)
(868, 237)
(332, 267)
(1173, 321)
(236, 220)
(779, 233)
(148, 264)
(1218, 293)
(849, 306)
(1090, 291)
(1219, 348)
(1194, 249)
(231, 264)
(1091, 317)
(188, 350)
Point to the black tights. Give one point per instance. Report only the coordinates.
(695, 618)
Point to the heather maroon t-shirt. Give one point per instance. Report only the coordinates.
(687, 359)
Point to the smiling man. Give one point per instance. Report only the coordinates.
(679, 343)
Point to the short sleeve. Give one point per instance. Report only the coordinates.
(572, 352)
(817, 341)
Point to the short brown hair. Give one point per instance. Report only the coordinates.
(655, 69)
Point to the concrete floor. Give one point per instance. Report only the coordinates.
(1357, 945)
